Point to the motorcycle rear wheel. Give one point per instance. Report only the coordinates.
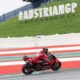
(26, 70)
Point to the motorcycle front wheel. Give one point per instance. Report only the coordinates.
(56, 66)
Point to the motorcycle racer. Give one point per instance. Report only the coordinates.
(43, 55)
(43, 51)
(43, 61)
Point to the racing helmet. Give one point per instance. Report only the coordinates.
(25, 58)
(45, 50)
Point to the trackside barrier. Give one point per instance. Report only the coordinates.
(16, 67)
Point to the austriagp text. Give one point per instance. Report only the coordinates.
(48, 11)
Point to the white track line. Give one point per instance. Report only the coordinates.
(22, 62)
(37, 50)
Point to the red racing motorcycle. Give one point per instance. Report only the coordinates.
(42, 64)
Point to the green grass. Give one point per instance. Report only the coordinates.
(61, 24)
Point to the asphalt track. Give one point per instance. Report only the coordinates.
(72, 74)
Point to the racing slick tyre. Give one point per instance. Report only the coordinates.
(26, 70)
(56, 66)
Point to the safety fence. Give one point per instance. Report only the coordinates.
(27, 7)
(14, 67)
(15, 12)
